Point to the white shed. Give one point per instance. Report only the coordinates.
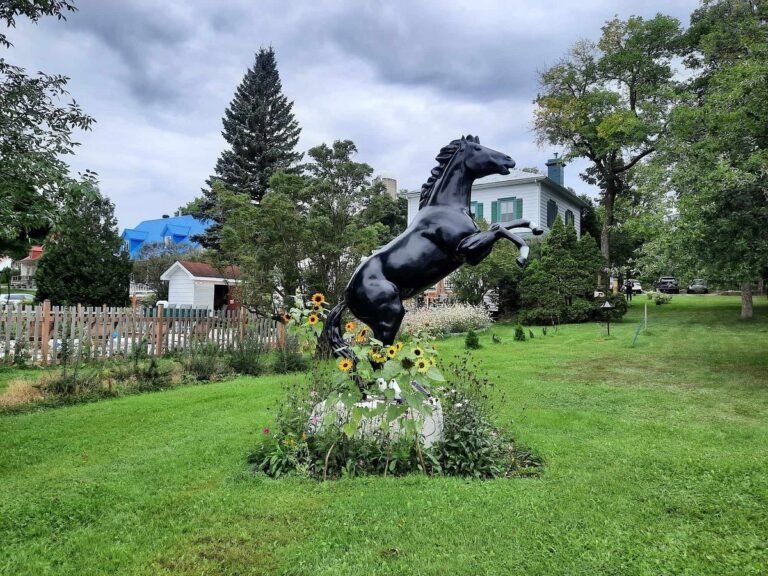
(200, 285)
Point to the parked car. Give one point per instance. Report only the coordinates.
(15, 299)
(636, 287)
(668, 284)
(698, 286)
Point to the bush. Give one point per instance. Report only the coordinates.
(580, 310)
(449, 319)
(659, 297)
(205, 363)
(619, 303)
(288, 358)
(20, 392)
(472, 342)
(519, 333)
(248, 358)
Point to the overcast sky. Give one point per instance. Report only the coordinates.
(400, 79)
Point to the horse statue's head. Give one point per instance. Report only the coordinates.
(482, 161)
(467, 156)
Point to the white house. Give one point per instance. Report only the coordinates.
(535, 197)
(200, 285)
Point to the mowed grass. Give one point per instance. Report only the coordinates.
(655, 464)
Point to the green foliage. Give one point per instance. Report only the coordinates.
(82, 262)
(472, 341)
(262, 133)
(607, 101)
(288, 358)
(205, 363)
(519, 333)
(36, 134)
(248, 358)
(659, 297)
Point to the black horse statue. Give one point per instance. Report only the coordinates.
(441, 237)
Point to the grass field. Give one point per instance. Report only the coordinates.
(655, 464)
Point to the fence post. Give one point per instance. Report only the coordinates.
(281, 335)
(159, 331)
(45, 331)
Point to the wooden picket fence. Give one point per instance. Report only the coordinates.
(41, 333)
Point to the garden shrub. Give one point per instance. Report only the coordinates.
(659, 297)
(205, 363)
(449, 319)
(248, 358)
(20, 392)
(288, 358)
(472, 342)
(620, 306)
(519, 333)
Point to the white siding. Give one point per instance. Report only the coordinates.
(413, 206)
(563, 204)
(180, 288)
(203, 294)
(527, 191)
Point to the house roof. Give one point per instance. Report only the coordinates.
(182, 228)
(202, 270)
(34, 254)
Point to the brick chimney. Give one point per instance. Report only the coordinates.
(556, 170)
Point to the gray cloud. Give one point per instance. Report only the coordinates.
(399, 79)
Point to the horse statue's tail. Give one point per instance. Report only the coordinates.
(332, 334)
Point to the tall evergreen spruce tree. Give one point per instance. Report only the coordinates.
(262, 133)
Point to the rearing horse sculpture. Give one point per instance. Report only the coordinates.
(441, 237)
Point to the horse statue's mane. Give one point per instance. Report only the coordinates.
(443, 157)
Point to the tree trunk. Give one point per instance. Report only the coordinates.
(746, 301)
(605, 237)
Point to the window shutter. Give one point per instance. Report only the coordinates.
(518, 207)
(494, 212)
(479, 211)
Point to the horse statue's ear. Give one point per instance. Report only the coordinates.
(477, 139)
(470, 138)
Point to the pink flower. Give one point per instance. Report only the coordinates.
(313, 419)
(266, 430)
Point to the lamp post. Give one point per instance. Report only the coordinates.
(607, 307)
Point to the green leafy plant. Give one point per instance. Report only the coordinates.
(471, 341)
(519, 333)
(205, 363)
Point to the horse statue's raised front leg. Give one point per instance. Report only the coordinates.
(476, 247)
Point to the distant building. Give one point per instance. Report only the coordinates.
(201, 286)
(519, 194)
(27, 269)
(175, 231)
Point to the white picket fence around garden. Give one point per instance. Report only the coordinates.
(38, 332)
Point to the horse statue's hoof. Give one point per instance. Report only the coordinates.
(537, 231)
(522, 262)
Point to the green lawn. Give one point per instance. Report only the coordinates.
(655, 464)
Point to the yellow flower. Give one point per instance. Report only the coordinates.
(432, 361)
(317, 298)
(422, 365)
(377, 357)
(349, 327)
(317, 307)
(345, 365)
(399, 346)
(287, 317)
(313, 319)
(392, 351)
(418, 352)
(362, 335)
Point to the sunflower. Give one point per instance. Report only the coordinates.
(345, 365)
(286, 317)
(313, 319)
(362, 335)
(432, 361)
(317, 298)
(377, 357)
(399, 346)
(422, 365)
(392, 351)
(418, 352)
(316, 307)
(349, 327)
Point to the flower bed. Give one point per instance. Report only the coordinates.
(449, 319)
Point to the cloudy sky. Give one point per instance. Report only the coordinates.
(400, 79)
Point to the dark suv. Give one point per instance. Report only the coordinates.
(668, 284)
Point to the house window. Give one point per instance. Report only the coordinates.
(506, 210)
(569, 219)
(551, 213)
(477, 210)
